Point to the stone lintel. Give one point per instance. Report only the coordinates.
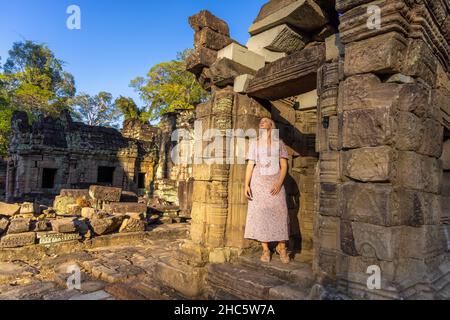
(288, 76)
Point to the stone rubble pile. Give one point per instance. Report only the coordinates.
(78, 215)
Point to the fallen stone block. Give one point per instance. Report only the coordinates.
(303, 14)
(241, 55)
(241, 82)
(4, 223)
(109, 194)
(65, 225)
(125, 207)
(18, 240)
(223, 72)
(201, 58)
(290, 76)
(29, 208)
(107, 225)
(61, 202)
(19, 225)
(132, 225)
(73, 210)
(129, 196)
(55, 237)
(208, 38)
(9, 210)
(205, 19)
(281, 38)
(40, 226)
(75, 193)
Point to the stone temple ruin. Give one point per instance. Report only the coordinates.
(365, 113)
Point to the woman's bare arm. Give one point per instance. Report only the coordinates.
(248, 179)
(283, 173)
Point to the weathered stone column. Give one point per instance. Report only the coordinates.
(380, 189)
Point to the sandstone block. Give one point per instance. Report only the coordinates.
(9, 210)
(368, 127)
(66, 225)
(73, 210)
(241, 82)
(224, 71)
(289, 76)
(54, 237)
(376, 241)
(61, 202)
(132, 225)
(333, 47)
(88, 213)
(369, 164)
(208, 38)
(242, 56)
(201, 58)
(106, 225)
(75, 193)
(19, 225)
(433, 135)
(269, 56)
(380, 54)
(427, 174)
(446, 155)
(108, 194)
(366, 91)
(18, 240)
(125, 207)
(303, 14)
(307, 100)
(4, 223)
(281, 38)
(40, 226)
(205, 19)
(409, 131)
(129, 196)
(29, 208)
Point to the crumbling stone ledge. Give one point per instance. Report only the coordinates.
(38, 251)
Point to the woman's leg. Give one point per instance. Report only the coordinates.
(266, 257)
(281, 249)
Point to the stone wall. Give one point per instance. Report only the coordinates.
(73, 153)
(362, 111)
(380, 185)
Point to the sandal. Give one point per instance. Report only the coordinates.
(266, 257)
(284, 257)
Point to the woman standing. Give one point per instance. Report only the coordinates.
(267, 217)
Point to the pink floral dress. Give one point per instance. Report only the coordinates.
(267, 215)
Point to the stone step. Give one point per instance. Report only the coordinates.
(296, 272)
(237, 281)
(141, 289)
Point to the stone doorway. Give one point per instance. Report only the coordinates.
(296, 120)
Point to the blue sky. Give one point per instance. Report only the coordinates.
(119, 39)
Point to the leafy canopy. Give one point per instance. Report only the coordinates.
(168, 87)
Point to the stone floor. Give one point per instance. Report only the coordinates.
(124, 269)
(106, 272)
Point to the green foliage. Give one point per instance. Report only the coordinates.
(98, 110)
(168, 87)
(33, 80)
(130, 110)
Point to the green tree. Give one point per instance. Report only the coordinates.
(168, 86)
(98, 110)
(35, 79)
(130, 110)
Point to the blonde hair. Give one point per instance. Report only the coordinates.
(274, 126)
